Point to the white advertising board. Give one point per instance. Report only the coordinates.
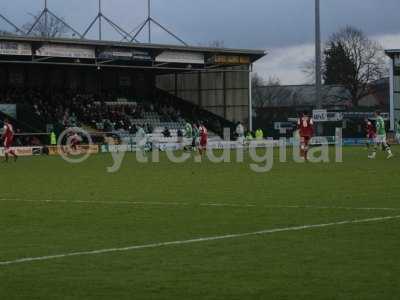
(125, 54)
(66, 51)
(320, 115)
(24, 151)
(181, 57)
(14, 48)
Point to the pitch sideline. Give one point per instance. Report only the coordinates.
(191, 241)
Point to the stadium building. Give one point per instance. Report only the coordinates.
(211, 84)
(276, 108)
(394, 86)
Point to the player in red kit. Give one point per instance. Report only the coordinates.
(74, 141)
(306, 129)
(8, 138)
(371, 133)
(203, 139)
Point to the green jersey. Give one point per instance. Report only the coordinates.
(380, 126)
(398, 127)
(188, 130)
(53, 139)
(249, 137)
(141, 134)
(196, 133)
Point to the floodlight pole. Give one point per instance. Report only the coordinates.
(318, 80)
(46, 28)
(100, 16)
(250, 98)
(149, 18)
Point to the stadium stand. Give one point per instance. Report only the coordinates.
(113, 88)
(63, 108)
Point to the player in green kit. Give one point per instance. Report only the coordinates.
(381, 137)
(196, 137)
(398, 131)
(188, 130)
(188, 135)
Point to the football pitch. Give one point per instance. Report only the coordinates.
(200, 230)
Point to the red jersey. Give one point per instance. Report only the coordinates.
(203, 132)
(8, 132)
(371, 131)
(305, 126)
(75, 139)
(203, 136)
(8, 135)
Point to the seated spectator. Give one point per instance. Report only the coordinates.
(35, 141)
(180, 133)
(166, 133)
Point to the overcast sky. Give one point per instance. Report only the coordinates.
(283, 27)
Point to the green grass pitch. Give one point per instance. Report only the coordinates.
(145, 204)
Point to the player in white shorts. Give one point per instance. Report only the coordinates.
(381, 137)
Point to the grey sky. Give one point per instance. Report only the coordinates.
(264, 24)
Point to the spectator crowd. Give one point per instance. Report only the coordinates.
(69, 108)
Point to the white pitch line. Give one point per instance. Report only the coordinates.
(153, 203)
(302, 206)
(191, 241)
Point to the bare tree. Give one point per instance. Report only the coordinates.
(308, 69)
(55, 27)
(367, 58)
(365, 55)
(273, 81)
(257, 80)
(266, 93)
